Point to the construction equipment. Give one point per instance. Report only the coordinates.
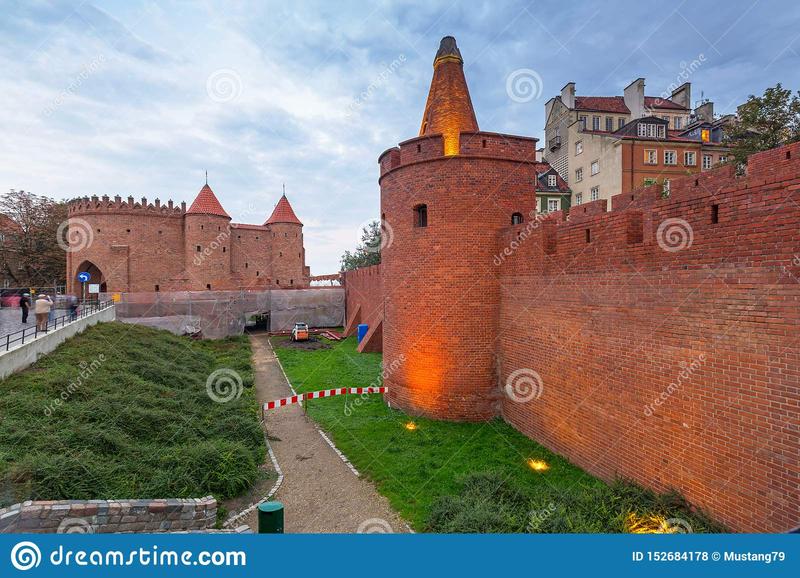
(300, 332)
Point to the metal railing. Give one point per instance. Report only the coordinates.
(84, 310)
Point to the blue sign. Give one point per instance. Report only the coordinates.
(84, 277)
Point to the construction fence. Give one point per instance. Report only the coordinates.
(215, 314)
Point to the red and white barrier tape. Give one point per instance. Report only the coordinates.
(322, 393)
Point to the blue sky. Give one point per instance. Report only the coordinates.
(141, 97)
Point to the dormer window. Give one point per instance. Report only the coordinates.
(552, 181)
(651, 130)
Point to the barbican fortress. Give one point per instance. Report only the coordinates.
(129, 246)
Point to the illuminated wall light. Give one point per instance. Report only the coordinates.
(635, 524)
(538, 465)
(411, 426)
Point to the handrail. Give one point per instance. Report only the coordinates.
(84, 310)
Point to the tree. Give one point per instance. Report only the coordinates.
(368, 251)
(766, 122)
(30, 254)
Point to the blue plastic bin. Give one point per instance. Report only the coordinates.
(362, 331)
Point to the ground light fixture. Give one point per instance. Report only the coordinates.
(410, 426)
(538, 465)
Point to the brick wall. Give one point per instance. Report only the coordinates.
(675, 368)
(107, 516)
(363, 297)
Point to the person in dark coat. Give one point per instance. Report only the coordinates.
(25, 304)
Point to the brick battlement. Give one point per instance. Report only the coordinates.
(105, 205)
(471, 144)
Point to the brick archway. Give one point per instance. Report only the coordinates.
(96, 275)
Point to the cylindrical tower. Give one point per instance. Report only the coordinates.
(207, 242)
(444, 197)
(288, 256)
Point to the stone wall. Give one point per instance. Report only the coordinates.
(109, 516)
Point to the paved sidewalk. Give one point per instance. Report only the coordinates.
(319, 492)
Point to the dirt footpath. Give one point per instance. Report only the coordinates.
(319, 492)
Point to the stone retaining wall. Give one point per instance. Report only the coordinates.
(109, 516)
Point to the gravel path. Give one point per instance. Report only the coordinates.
(319, 491)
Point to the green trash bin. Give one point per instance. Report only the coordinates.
(270, 518)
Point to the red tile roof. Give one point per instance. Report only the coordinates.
(283, 213)
(206, 203)
(616, 104)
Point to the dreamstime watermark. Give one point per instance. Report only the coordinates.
(87, 370)
(383, 241)
(224, 85)
(387, 70)
(74, 235)
(537, 518)
(205, 252)
(224, 385)
(396, 363)
(72, 88)
(533, 224)
(524, 85)
(75, 526)
(674, 235)
(25, 555)
(687, 70)
(684, 375)
(524, 385)
(374, 526)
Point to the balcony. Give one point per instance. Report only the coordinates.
(554, 143)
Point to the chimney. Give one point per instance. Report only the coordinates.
(568, 95)
(705, 111)
(634, 98)
(683, 95)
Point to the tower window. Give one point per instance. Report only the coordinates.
(588, 236)
(421, 216)
(277, 282)
(291, 281)
(245, 265)
(715, 214)
(199, 248)
(223, 249)
(280, 253)
(419, 148)
(208, 286)
(258, 273)
(157, 288)
(516, 218)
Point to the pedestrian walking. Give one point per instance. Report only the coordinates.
(25, 305)
(42, 310)
(73, 307)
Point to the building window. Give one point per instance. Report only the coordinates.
(223, 249)
(245, 265)
(578, 175)
(582, 120)
(609, 124)
(578, 198)
(552, 181)
(689, 158)
(678, 122)
(665, 189)
(553, 205)
(650, 130)
(648, 181)
(208, 286)
(291, 281)
(157, 288)
(723, 158)
(595, 167)
(620, 123)
(594, 194)
(277, 282)
(516, 218)
(199, 248)
(579, 147)
(707, 161)
(670, 158)
(595, 123)
(421, 216)
(650, 157)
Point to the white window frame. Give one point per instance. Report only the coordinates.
(595, 167)
(552, 181)
(674, 155)
(578, 198)
(651, 156)
(557, 202)
(723, 158)
(689, 155)
(678, 122)
(594, 193)
(650, 130)
(708, 161)
(578, 147)
(578, 174)
(595, 122)
(665, 187)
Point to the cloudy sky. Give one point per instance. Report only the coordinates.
(141, 97)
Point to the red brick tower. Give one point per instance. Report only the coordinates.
(444, 197)
(207, 243)
(287, 246)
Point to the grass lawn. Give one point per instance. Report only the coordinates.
(456, 477)
(138, 424)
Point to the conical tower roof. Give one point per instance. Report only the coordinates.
(206, 203)
(448, 110)
(283, 213)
